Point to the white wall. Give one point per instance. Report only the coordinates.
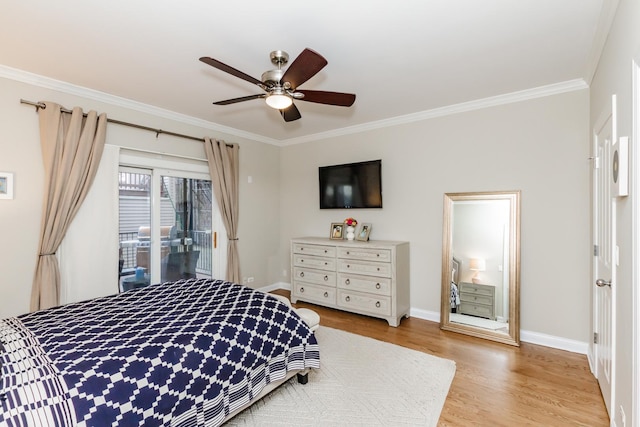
(537, 146)
(20, 154)
(614, 76)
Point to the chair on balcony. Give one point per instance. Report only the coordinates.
(179, 265)
(144, 242)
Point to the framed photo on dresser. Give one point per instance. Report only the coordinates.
(337, 230)
(363, 233)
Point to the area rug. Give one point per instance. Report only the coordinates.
(361, 382)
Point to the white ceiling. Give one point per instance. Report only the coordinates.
(399, 58)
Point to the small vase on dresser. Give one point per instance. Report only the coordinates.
(351, 233)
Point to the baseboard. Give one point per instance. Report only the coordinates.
(276, 286)
(525, 336)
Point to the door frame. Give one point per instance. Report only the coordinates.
(608, 111)
(634, 163)
(165, 164)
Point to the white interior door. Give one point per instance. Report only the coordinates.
(604, 256)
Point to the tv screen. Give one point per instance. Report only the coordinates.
(351, 186)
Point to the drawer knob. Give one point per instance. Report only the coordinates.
(302, 274)
(348, 252)
(377, 285)
(301, 260)
(347, 298)
(326, 263)
(378, 268)
(326, 294)
(301, 290)
(378, 255)
(326, 278)
(325, 251)
(348, 266)
(347, 282)
(378, 304)
(301, 249)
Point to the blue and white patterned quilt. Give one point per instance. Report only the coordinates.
(176, 354)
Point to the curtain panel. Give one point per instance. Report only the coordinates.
(224, 170)
(72, 146)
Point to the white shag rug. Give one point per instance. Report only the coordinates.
(361, 382)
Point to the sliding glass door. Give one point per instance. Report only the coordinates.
(167, 230)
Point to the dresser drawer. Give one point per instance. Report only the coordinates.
(381, 269)
(478, 289)
(327, 278)
(314, 262)
(374, 285)
(321, 294)
(373, 304)
(317, 250)
(475, 299)
(476, 310)
(365, 254)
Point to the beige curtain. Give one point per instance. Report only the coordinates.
(223, 167)
(72, 146)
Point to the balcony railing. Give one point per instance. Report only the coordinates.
(201, 242)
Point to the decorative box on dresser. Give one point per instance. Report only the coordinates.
(370, 278)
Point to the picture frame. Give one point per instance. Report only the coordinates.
(6, 185)
(364, 232)
(337, 231)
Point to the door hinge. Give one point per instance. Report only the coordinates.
(596, 250)
(595, 338)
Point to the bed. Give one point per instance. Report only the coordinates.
(454, 299)
(186, 353)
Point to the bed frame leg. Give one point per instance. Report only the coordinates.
(303, 378)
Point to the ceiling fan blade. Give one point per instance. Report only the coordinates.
(243, 98)
(305, 66)
(227, 69)
(331, 98)
(290, 113)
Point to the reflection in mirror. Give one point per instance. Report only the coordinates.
(480, 265)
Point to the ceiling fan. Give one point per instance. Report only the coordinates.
(281, 86)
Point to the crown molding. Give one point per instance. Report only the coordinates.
(57, 85)
(49, 83)
(509, 98)
(605, 21)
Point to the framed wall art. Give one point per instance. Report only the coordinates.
(6, 185)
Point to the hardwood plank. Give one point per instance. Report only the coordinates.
(495, 384)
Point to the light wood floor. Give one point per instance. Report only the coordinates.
(494, 384)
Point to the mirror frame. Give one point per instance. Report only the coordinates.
(513, 336)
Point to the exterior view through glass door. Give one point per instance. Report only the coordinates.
(165, 227)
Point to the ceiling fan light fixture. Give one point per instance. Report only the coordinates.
(278, 101)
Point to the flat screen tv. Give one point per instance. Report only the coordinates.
(351, 186)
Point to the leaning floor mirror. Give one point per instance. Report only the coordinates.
(481, 265)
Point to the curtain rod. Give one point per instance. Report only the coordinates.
(39, 105)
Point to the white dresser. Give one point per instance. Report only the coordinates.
(477, 300)
(370, 278)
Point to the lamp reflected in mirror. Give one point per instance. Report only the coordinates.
(477, 265)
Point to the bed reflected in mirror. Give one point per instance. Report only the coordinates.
(480, 265)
